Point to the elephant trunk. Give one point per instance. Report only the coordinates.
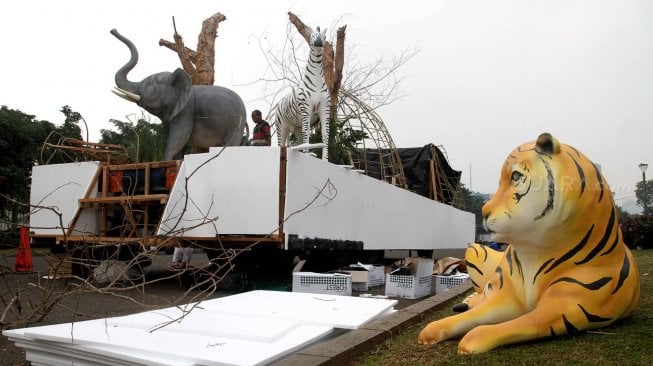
(126, 89)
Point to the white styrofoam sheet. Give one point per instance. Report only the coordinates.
(178, 348)
(232, 190)
(59, 187)
(245, 329)
(62, 353)
(357, 207)
(345, 312)
(89, 218)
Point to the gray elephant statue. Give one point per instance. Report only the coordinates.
(205, 115)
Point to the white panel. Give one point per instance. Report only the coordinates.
(234, 190)
(89, 218)
(356, 207)
(169, 348)
(345, 312)
(58, 186)
(87, 223)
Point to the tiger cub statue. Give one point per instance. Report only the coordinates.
(566, 268)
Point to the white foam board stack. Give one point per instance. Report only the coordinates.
(252, 328)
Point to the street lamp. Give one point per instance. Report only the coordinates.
(643, 167)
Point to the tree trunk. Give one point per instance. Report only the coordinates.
(200, 64)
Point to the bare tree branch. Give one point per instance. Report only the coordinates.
(200, 64)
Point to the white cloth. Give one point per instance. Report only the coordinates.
(182, 255)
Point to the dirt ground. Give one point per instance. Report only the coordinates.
(54, 301)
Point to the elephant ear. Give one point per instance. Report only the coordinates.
(181, 120)
(181, 84)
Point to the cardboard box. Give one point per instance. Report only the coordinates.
(443, 283)
(415, 285)
(322, 283)
(364, 276)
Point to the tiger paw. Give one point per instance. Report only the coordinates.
(431, 334)
(478, 340)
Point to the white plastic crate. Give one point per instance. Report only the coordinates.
(415, 285)
(408, 287)
(322, 283)
(443, 283)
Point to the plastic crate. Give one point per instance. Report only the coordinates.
(322, 283)
(408, 287)
(443, 283)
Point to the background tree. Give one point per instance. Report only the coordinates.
(71, 126)
(644, 194)
(622, 215)
(638, 231)
(143, 140)
(21, 143)
(20, 134)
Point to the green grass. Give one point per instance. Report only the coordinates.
(627, 342)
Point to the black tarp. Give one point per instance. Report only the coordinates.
(415, 161)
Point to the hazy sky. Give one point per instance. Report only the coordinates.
(489, 75)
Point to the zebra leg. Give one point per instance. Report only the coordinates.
(306, 126)
(277, 126)
(324, 121)
(282, 134)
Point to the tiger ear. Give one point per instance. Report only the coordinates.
(547, 144)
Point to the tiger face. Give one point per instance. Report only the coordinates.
(543, 187)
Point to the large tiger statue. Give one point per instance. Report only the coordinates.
(566, 268)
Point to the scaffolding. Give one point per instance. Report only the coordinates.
(359, 116)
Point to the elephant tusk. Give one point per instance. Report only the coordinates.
(127, 95)
(121, 95)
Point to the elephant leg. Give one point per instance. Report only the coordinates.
(179, 133)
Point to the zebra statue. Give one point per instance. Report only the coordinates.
(302, 107)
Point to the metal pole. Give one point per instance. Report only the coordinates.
(644, 191)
